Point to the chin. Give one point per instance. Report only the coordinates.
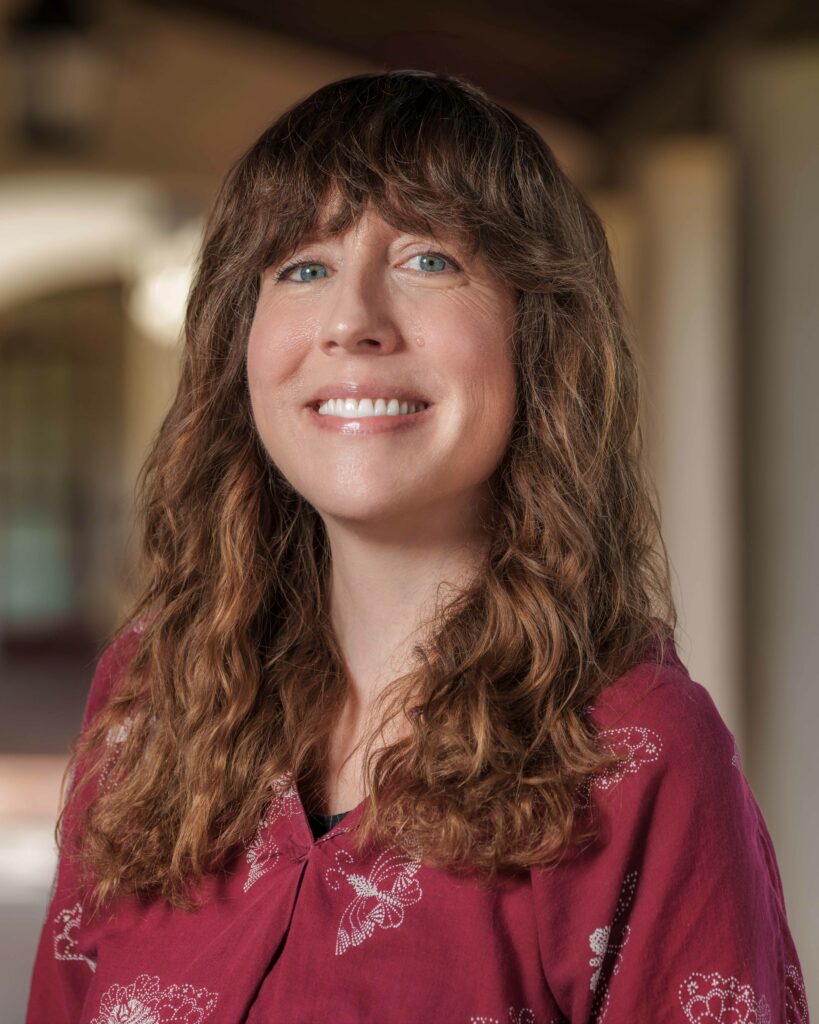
(364, 511)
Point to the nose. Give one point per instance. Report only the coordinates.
(356, 313)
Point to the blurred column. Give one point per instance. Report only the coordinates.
(618, 212)
(160, 280)
(772, 109)
(151, 374)
(685, 192)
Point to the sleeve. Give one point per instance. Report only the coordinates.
(676, 913)
(61, 973)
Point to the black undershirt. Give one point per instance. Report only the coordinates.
(321, 823)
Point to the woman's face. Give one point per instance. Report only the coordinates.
(378, 313)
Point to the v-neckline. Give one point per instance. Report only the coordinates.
(343, 825)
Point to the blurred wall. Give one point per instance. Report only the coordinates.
(771, 109)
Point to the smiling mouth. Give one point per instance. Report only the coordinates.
(367, 407)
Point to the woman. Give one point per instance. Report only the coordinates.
(397, 729)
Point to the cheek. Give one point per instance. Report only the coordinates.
(483, 362)
(495, 370)
(265, 364)
(259, 345)
(253, 362)
(273, 355)
(257, 376)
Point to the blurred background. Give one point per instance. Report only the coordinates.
(693, 128)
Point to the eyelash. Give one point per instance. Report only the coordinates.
(281, 274)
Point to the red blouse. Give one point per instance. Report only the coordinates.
(677, 914)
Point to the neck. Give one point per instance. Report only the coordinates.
(385, 585)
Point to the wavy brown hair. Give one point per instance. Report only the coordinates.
(237, 676)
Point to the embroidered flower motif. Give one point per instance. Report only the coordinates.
(796, 1001)
(602, 946)
(119, 733)
(114, 739)
(263, 850)
(713, 999)
(525, 1015)
(605, 947)
(380, 898)
(736, 760)
(66, 929)
(642, 745)
(144, 1002)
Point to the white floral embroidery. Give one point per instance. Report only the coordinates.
(605, 946)
(144, 1002)
(263, 850)
(379, 899)
(796, 1001)
(114, 739)
(66, 927)
(736, 760)
(641, 745)
(712, 999)
(525, 1015)
(119, 733)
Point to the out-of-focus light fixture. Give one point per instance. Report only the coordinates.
(162, 274)
(58, 73)
(60, 231)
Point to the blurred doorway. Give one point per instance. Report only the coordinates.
(61, 438)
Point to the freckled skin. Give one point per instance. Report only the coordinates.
(378, 309)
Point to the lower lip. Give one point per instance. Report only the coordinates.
(368, 424)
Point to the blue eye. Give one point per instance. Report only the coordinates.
(431, 261)
(313, 270)
(307, 272)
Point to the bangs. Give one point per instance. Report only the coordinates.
(335, 210)
(422, 160)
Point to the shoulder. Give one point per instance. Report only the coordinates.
(669, 726)
(115, 657)
(680, 875)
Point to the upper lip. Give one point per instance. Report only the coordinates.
(367, 389)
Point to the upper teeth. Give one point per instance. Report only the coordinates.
(368, 407)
